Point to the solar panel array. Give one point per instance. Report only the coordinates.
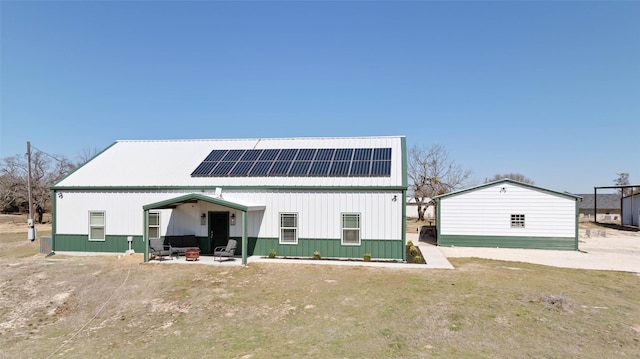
(304, 162)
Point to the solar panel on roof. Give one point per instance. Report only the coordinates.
(203, 169)
(319, 168)
(233, 155)
(382, 154)
(261, 168)
(299, 168)
(381, 168)
(325, 154)
(268, 155)
(340, 168)
(251, 155)
(306, 154)
(361, 154)
(280, 168)
(360, 168)
(343, 154)
(288, 154)
(241, 168)
(335, 162)
(216, 155)
(222, 169)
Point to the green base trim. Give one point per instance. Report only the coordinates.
(328, 248)
(81, 243)
(555, 243)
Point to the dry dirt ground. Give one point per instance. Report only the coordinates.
(110, 307)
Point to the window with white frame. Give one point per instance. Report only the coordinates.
(351, 228)
(96, 226)
(154, 225)
(517, 221)
(288, 228)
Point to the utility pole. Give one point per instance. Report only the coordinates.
(31, 235)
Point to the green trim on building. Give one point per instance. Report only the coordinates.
(555, 243)
(169, 203)
(53, 219)
(329, 248)
(403, 146)
(577, 222)
(111, 244)
(507, 180)
(404, 223)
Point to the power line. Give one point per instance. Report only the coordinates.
(51, 156)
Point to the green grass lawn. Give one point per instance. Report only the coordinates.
(482, 309)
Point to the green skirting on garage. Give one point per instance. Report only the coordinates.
(555, 243)
(328, 248)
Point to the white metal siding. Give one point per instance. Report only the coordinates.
(318, 212)
(487, 212)
(631, 214)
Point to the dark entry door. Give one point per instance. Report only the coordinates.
(218, 229)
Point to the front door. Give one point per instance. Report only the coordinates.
(218, 229)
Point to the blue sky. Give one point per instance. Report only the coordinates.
(547, 89)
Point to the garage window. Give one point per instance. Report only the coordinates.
(517, 221)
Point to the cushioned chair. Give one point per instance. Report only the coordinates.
(159, 249)
(227, 251)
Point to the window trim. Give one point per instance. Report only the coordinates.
(343, 228)
(517, 220)
(103, 226)
(149, 225)
(281, 227)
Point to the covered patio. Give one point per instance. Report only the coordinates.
(200, 204)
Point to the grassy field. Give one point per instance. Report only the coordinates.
(109, 307)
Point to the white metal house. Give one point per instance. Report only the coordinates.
(508, 214)
(341, 196)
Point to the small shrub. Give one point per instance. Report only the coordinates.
(367, 257)
(410, 244)
(413, 250)
(417, 259)
(272, 253)
(316, 255)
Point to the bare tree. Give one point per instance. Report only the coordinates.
(86, 155)
(45, 171)
(623, 180)
(514, 176)
(433, 173)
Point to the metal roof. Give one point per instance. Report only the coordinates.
(510, 181)
(605, 201)
(169, 163)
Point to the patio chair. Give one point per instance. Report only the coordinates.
(160, 249)
(226, 251)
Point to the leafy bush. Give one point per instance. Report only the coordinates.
(367, 257)
(410, 244)
(316, 255)
(272, 253)
(417, 259)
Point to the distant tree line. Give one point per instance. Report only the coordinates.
(45, 171)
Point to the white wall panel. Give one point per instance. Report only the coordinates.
(319, 212)
(487, 211)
